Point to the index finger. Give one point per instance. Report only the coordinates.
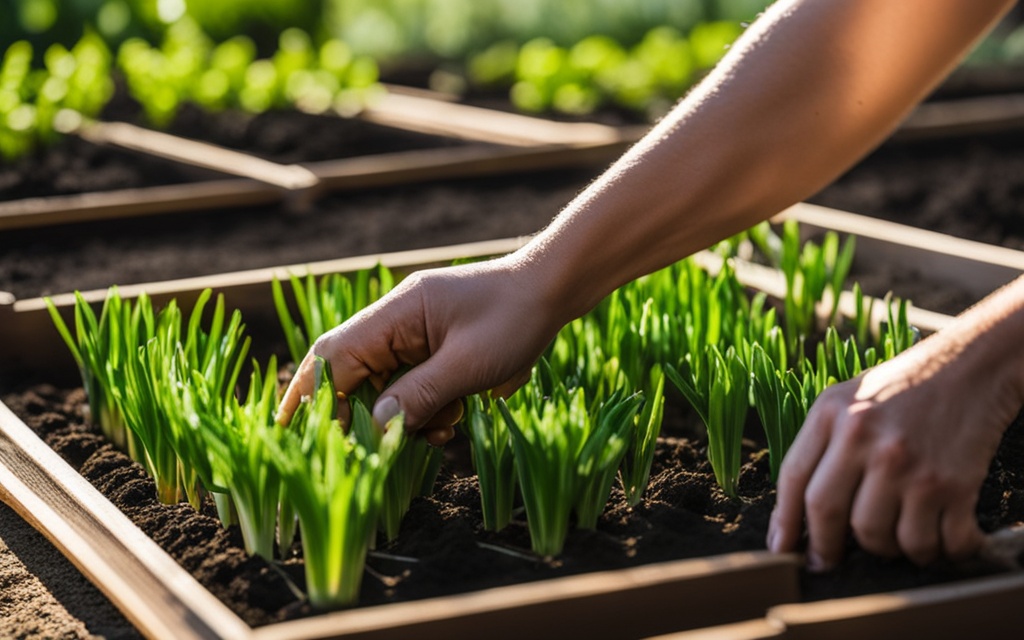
(301, 385)
(798, 467)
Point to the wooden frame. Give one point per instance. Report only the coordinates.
(165, 602)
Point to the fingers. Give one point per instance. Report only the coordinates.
(876, 510)
(428, 394)
(829, 500)
(300, 385)
(961, 535)
(787, 521)
(918, 528)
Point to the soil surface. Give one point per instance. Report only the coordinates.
(684, 514)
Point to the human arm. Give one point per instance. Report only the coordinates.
(812, 86)
(899, 454)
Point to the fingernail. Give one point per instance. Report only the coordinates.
(771, 539)
(385, 410)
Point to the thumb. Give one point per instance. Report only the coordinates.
(421, 393)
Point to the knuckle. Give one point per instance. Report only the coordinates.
(921, 550)
(426, 397)
(856, 429)
(874, 537)
(823, 509)
(893, 456)
(962, 544)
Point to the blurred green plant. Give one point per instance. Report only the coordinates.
(37, 102)
(189, 67)
(598, 70)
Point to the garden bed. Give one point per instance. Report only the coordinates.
(651, 533)
(156, 248)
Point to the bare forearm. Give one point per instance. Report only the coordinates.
(813, 86)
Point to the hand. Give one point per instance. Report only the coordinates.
(899, 454)
(464, 330)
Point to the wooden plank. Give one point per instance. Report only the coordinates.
(249, 291)
(463, 162)
(963, 117)
(197, 153)
(147, 585)
(980, 608)
(347, 174)
(38, 347)
(126, 203)
(758, 629)
(439, 117)
(626, 603)
(975, 267)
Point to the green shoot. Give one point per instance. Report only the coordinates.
(717, 386)
(781, 399)
(336, 487)
(99, 351)
(325, 305)
(810, 271)
(564, 454)
(237, 444)
(412, 473)
(492, 458)
(602, 455)
(635, 471)
(140, 391)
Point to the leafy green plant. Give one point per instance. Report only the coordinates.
(237, 440)
(635, 470)
(36, 103)
(717, 385)
(598, 70)
(336, 486)
(566, 454)
(491, 449)
(99, 349)
(324, 304)
(189, 67)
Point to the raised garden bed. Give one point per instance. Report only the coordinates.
(158, 241)
(671, 507)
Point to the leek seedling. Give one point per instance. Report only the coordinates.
(564, 454)
(782, 400)
(412, 473)
(810, 270)
(717, 385)
(237, 443)
(139, 395)
(203, 373)
(492, 459)
(325, 305)
(635, 471)
(100, 350)
(336, 487)
(602, 455)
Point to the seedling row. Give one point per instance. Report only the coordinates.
(162, 384)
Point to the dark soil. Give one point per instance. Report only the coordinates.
(684, 514)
